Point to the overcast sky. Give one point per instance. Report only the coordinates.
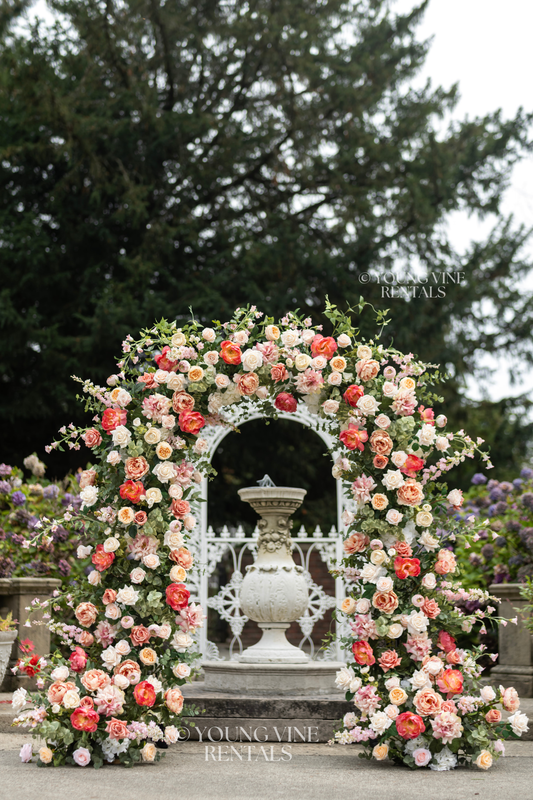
(485, 45)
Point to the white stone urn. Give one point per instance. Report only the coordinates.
(7, 640)
(274, 591)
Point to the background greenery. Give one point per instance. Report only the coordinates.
(157, 156)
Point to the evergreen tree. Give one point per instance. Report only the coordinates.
(157, 156)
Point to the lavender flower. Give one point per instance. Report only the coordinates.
(5, 470)
(5, 487)
(478, 478)
(19, 498)
(51, 492)
(525, 473)
(527, 500)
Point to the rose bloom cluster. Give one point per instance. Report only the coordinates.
(149, 444)
(416, 691)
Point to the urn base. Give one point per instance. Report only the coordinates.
(273, 648)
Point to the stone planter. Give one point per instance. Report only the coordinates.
(15, 595)
(515, 642)
(7, 639)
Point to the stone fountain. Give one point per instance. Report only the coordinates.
(273, 594)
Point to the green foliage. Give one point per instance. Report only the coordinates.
(158, 157)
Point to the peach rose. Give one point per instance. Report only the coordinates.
(92, 438)
(510, 700)
(445, 562)
(86, 614)
(338, 363)
(182, 557)
(195, 374)
(87, 478)
(381, 443)
(380, 752)
(427, 701)
(117, 728)
(140, 635)
(126, 515)
(367, 369)
(163, 450)
(430, 608)
(85, 638)
(148, 656)
(181, 401)
(411, 493)
(278, 373)
(397, 695)
(57, 691)
(109, 596)
(348, 605)
(493, 716)
(484, 760)
(389, 660)
(174, 700)
(379, 502)
(136, 468)
(247, 384)
(380, 462)
(356, 543)
(95, 679)
(386, 602)
(130, 670)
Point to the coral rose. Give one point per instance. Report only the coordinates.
(112, 418)
(164, 361)
(86, 614)
(180, 508)
(183, 557)
(445, 562)
(92, 438)
(230, 353)
(411, 493)
(451, 681)
(117, 728)
(177, 596)
(136, 468)
(101, 559)
(191, 422)
(286, 402)
(356, 543)
(78, 659)
(380, 462)
(493, 716)
(388, 660)
(144, 694)
(323, 346)
(279, 373)
(412, 465)
(132, 491)
(409, 725)
(430, 608)
(352, 394)
(140, 635)
(427, 701)
(85, 718)
(363, 653)
(406, 567)
(403, 549)
(446, 642)
(353, 438)
(174, 700)
(109, 596)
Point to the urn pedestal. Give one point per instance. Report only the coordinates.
(274, 591)
(515, 642)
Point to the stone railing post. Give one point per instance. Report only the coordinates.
(515, 643)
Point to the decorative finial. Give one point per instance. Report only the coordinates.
(266, 481)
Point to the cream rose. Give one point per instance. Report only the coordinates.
(126, 515)
(394, 517)
(152, 436)
(209, 335)
(94, 577)
(128, 596)
(389, 389)
(151, 560)
(290, 338)
(426, 435)
(424, 519)
(111, 544)
(392, 479)
(344, 340)
(338, 363)
(121, 436)
(222, 381)
(442, 443)
(363, 352)
(428, 541)
(398, 458)
(368, 405)
(164, 471)
(395, 630)
(429, 581)
(137, 575)
(302, 361)
(335, 379)
(71, 699)
(173, 539)
(163, 450)
(175, 382)
(272, 333)
(378, 557)
(114, 458)
(153, 495)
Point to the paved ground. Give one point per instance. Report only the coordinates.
(313, 772)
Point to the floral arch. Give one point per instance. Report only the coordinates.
(131, 627)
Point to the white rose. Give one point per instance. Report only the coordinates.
(94, 577)
(83, 552)
(344, 340)
(110, 657)
(111, 544)
(290, 338)
(18, 701)
(173, 539)
(161, 375)
(251, 360)
(429, 581)
(308, 336)
(121, 682)
(209, 334)
(137, 575)
(389, 389)
(241, 338)
(175, 382)
(201, 446)
(429, 542)
(363, 351)
(178, 340)
(175, 491)
(368, 404)
(393, 516)
(89, 495)
(519, 723)
(181, 641)
(153, 496)
(442, 443)
(455, 497)
(344, 677)
(60, 673)
(398, 458)
(384, 584)
(426, 435)
(487, 694)
(114, 458)
(417, 622)
(370, 573)
(382, 421)
(392, 683)
(395, 630)
(71, 699)
(335, 379)
(152, 436)
(392, 479)
(151, 560)
(164, 471)
(302, 361)
(121, 436)
(128, 596)
(420, 680)
(379, 722)
(211, 358)
(434, 666)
